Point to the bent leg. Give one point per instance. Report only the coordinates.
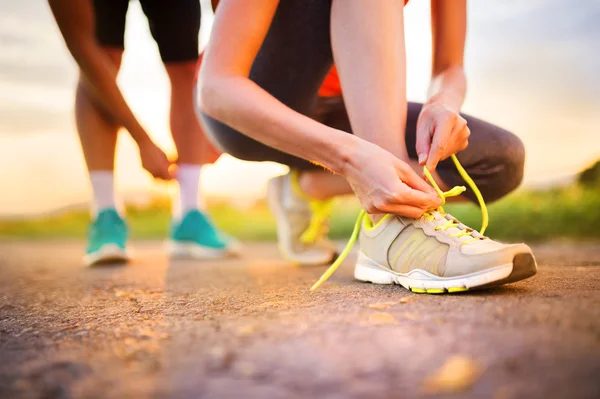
(291, 65)
(494, 159)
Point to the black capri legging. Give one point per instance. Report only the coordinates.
(291, 65)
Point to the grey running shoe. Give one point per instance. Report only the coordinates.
(437, 254)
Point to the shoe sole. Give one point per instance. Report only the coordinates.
(107, 254)
(283, 230)
(184, 250)
(523, 266)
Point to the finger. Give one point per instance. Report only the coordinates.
(403, 210)
(439, 145)
(417, 198)
(459, 125)
(162, 176)
(423, 139)
(413, 180)
(464, 138)
(164, 172)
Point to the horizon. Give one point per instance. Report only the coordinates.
(532, 68)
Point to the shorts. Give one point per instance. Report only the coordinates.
(174, 24)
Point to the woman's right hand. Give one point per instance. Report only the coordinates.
(155, 161)
(386, 184)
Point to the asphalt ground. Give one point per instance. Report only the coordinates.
(250, 328)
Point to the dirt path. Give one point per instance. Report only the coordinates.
(250, 328)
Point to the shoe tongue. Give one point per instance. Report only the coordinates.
(441, 219)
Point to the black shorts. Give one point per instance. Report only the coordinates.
(175, 26)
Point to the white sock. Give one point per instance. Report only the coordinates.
(103, 188)
(188, 177)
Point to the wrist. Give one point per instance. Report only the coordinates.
(447, 99)
(345, 153)
(448, 87)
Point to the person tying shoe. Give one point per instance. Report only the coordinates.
(258, 87)
(94, 34)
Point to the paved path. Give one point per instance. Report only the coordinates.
(250, 328)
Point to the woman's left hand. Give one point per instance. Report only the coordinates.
(441, 132)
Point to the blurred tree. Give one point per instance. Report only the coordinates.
(590, 177)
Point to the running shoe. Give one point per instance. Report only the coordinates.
(107, 238)
(436, 253)
(196, 237)
(302, 222)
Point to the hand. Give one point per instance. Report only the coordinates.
(441, 132)
(155, 161)
(385, 184)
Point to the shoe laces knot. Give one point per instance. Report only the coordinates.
(450, 222)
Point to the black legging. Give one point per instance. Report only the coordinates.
(291, 65)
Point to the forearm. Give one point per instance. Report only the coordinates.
(448, 32)
(449, 87)
(243, 105)
(368, 47)
(75, 19)
(100, 83)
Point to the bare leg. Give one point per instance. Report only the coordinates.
(368, 48)
(97, 132)
(184, 123)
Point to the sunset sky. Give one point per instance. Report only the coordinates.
(533, 68)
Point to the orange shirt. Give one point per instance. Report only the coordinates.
(331, 85)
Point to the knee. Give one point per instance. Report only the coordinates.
(225, 138)
(508, 166)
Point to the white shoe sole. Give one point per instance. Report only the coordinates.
(109, 253)
(421, 281)
(234, 247)
(284, 234)
(184, 250)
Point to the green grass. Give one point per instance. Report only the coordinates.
(572, 212)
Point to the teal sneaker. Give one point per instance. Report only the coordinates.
(107, 237)
(196, 237)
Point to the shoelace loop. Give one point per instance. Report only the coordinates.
(455, 191)
(317, 227)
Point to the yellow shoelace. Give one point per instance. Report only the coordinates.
(320, 212)
(455, 191)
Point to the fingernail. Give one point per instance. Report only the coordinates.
(422, 158)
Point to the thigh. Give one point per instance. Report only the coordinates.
(110, 22)
(291, 65)
(175, 26)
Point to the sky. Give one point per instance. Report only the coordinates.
(532, 67)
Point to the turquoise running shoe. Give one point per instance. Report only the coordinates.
(197, 238)
(107, 237)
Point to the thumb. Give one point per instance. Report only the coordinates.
(423, 141)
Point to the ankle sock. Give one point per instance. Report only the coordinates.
(189, 198)
(103, 191)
